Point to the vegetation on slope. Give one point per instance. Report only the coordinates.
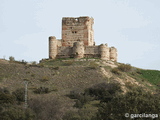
(74, 90)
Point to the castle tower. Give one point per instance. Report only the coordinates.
(104, 52)
(52, 47)
(78, 49)
(77, 29)
(113, 54)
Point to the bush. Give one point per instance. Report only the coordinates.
(11, 59)
(4, 90)
(19, 94)
(103, 91)
(47, 109)
(6, 98)
(34, 63)
(23, 62)
(136, 101)
(16, 113)
(41, 90)
(81, 98)
(92, 65)
(44, 79)
(125, 67)
(116, 71)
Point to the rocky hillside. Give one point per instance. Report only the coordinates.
(51, 82)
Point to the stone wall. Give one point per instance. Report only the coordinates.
(64, 52)
(77, 29)
(91, 50)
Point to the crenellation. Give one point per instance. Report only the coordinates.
(78, 41)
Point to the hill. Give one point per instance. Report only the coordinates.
(53, 85)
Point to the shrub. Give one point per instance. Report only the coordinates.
(19, 94)
(11, 59)
(23, 62)
(47, 109)
(125, 67)
(81, 98)
(116, 71)
(136, 101)
(54, 68)
(44, 79)
(33, 75)
(103, 91)
(41, 90)
(93, 65)
(16, 113)
(6, 98)
(34, 63)
(4, 90)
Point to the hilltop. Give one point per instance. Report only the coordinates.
(51, 82)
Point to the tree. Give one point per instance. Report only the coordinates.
(11, 58)
(133, 102)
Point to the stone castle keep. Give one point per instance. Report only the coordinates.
(78, 41)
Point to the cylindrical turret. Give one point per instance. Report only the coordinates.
(113, 54)
(104, 52)
(52, 47)
(78, 49)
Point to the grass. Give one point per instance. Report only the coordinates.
(153, 76)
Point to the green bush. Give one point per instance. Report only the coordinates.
(136, 101)
(103, 91)
(125, 67)
(16, 113)
(6, 98)
(81, 98)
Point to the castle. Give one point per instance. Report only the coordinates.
(78, 41)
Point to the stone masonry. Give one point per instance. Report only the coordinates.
(78, 41)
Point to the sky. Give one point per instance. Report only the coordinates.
(132, 26)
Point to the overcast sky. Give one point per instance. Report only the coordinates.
(132, 26)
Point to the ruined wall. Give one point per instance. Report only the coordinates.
(80, 51)
(77, 29)
(59, 42)
(91, 52)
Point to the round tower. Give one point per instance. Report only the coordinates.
(104, 52)
(52, 47)
(78, 49)
(113, 54)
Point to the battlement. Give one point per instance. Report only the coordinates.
(78, 41)
(76, 21)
